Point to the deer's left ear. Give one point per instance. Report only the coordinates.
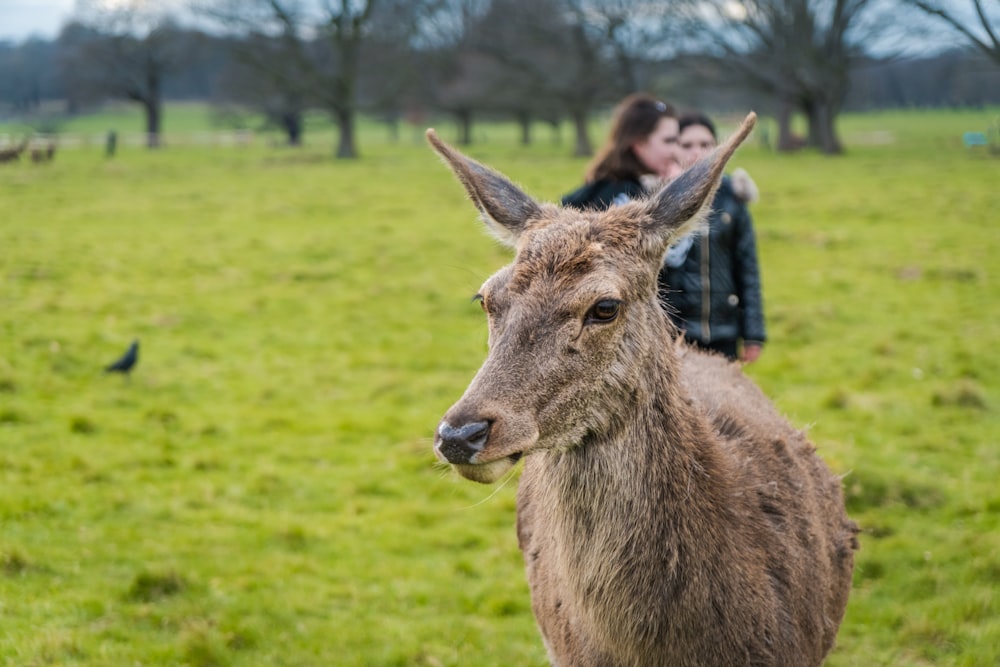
(685, 201)
(504, 207)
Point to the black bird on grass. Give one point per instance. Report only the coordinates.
(127, 361)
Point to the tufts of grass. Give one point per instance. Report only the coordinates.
(204, 646)
(863, 492)
(82, 425)
(11, 417)
(14, 562)
(964, 393)
(153, 586)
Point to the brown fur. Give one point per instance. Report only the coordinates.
(13, 153)
(668, 515)
(43, 153)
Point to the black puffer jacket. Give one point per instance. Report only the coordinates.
(604, 193)
(714, 294)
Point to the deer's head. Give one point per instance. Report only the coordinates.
(573, 321)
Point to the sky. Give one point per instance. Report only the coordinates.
(22, 18)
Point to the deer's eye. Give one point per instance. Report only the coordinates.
(605, 310)
(481, 300)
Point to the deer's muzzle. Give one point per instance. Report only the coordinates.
(463, 443)
(484, 437)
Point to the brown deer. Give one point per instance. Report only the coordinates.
(45, 153)
(668, 515)
(13, 153)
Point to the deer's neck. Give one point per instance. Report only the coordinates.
(644, 485)
(639, 512)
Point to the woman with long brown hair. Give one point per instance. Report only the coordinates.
(642, 141)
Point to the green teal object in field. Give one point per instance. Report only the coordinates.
(973, 139)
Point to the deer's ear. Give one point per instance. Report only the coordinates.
(683, 203)
(504, 207)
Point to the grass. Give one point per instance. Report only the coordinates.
(262, 490)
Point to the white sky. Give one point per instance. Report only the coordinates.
(22, 18)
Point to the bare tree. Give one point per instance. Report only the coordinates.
(257, 77)
(343, 26)
(633, 34)
(276, 41)
(410, 54)
(27, 74)
(574, 55)
(457, 77)
(128, 50)
(578, 55)
(320, 48)
(800, 52)
(978, 21)
(269, 70)
(954, 78)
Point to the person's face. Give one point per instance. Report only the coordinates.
(695, 142)
(658, 151)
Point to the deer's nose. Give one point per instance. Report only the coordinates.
(461, 444)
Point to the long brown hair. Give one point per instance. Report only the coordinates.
(635, 118)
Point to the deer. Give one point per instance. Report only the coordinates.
(45, 153)
(666, 512)
(13, 153)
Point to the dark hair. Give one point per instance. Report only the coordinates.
(635, 118)
(696, 118)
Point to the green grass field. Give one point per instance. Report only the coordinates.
(262, 491)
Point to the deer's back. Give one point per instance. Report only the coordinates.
(785, 481)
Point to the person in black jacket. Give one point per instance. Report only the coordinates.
(710, 281)
(642, 142)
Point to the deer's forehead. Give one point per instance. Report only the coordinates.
(618, 226)
(532, 289)
(573, 268)
(571, 250)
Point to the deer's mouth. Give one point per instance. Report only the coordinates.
(487, 473)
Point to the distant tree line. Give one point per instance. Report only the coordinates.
(549, 61)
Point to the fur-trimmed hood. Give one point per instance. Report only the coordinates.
(744, 187)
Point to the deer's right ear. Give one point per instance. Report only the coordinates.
(504, 207)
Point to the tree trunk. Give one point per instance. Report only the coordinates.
(291, 121)
(822, 129)
(152, 108)
(345, 144)
(153, 103)
(583, 147)
(524, 121)
(392, 124)
(787, 141)
(464, 118)
(556, 126)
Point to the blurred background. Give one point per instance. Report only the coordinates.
(274, 64)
